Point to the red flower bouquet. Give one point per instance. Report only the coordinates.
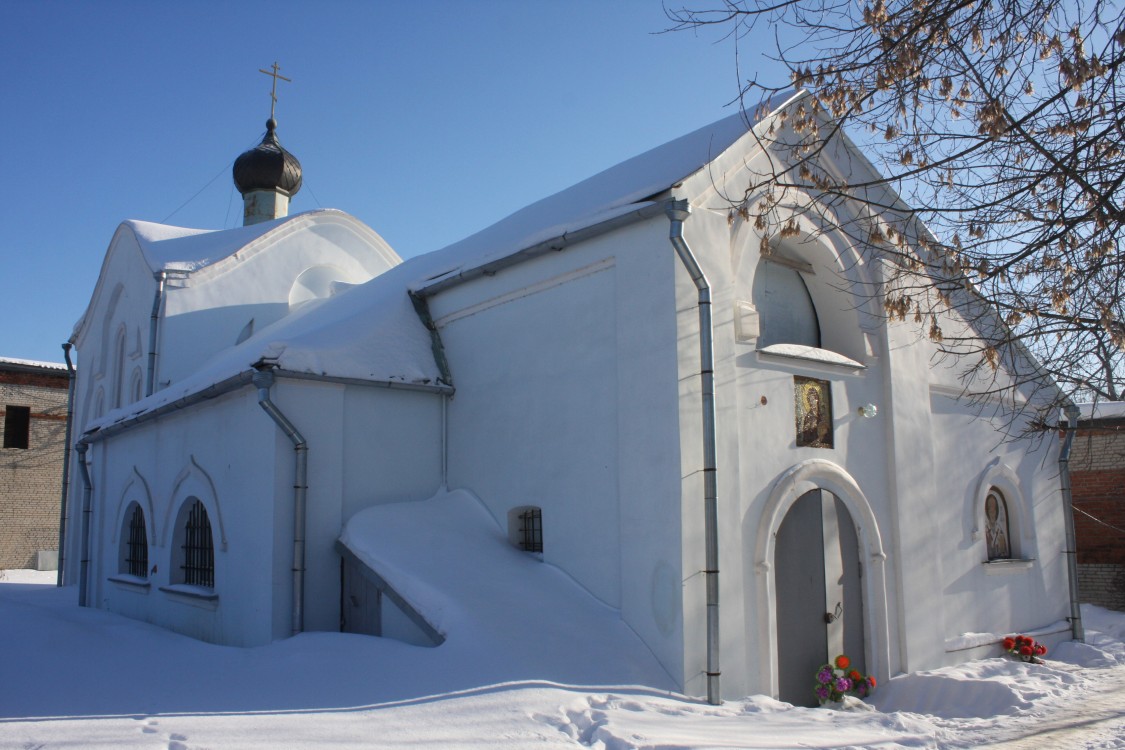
(835, 680)
(1024, 648)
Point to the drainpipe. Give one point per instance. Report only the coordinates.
(154, 322)
(66, 461)
(1068, 509)
(677, 212)
(263, 381)
(87, 502)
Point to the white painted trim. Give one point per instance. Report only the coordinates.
(145, 501)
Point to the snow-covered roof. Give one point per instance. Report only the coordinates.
(372, 332)
(32, 363)
(601, 197)
(172, 248)
(1101, 410)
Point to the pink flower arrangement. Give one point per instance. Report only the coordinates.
(1024, 648)
(835, 680)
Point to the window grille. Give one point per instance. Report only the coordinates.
(17, 426)
(136, 552)
(531, 530)
(199, 550)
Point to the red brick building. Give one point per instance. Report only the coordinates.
(1097, 470)
(33, 398)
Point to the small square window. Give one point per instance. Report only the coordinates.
(525, 528)
(17, 426)
(531, 530)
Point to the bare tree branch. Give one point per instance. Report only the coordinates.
(997, 133)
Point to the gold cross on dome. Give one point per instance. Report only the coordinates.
(273, 91)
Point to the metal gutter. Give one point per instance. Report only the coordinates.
(422, 310)
(66, 461)
(87, 509)
(677, 212)
(398, 385)
(1071, 552)
(553, 245)
(153, 325)
(263, 381)
(212, 391)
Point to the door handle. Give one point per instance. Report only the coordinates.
(830, 617)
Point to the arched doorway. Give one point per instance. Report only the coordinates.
(808, 489)
(819, 609)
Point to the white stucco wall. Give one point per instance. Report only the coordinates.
(366, 445)
(121, 301)
(566, 400)
(923, 581)
(999, 598)
(160, 465)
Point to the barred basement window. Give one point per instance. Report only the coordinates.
(525, 528)
(531, 530)
(17, 426)
(136, 545)
(198, 565)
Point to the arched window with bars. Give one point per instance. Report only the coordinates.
(196, 548)
(134, 542)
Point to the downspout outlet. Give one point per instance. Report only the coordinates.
(678, 210)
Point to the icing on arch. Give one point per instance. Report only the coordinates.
(136, 490)
(194, 481)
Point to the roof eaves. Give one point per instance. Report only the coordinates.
(580, 231)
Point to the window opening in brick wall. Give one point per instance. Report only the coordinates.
(17, 426)
(136, 546)
(198, 549)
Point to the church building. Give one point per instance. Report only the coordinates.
(716, 435)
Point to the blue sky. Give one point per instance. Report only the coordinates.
(428, 120)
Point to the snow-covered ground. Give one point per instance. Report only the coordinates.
(82, 678)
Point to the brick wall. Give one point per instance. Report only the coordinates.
(1097, 474)
(31, 480)
(1103, 585)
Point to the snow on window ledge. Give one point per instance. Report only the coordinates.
(130, 581)
(1001, 567)
(811, 354)
(191, 592)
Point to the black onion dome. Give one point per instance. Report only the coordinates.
(268, 166)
